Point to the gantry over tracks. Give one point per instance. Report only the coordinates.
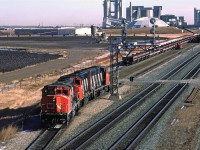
(88, 136)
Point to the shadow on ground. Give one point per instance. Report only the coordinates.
(26, 118)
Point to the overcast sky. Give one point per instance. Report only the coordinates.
(75, 12)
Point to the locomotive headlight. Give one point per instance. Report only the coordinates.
(54, 99)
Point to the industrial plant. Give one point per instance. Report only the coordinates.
(132, 83)
(113, 14)
(135, 17)
(136, 12)
(196, 17)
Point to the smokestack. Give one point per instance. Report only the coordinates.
(131, 12)
(159, 12)
(106, 6)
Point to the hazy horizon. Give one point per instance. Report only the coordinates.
(75, 12)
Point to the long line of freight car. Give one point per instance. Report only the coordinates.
(158, 48)
(62, 99)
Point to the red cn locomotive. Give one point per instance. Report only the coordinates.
(62, 99)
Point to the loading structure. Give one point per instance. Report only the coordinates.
(154, 48)
(112, 12)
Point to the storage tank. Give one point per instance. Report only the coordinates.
(93, 31)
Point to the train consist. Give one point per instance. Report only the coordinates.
(62, 99)
(162, 47)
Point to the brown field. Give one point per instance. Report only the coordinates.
(169, 32)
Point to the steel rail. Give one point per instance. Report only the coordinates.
(43, 140)
(134, 134)
(85, 138)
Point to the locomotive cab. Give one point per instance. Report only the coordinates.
(78, 88)
(62, 99)
(56, 103)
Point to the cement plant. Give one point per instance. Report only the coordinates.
(132, 82)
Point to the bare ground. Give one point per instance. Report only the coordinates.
(169, 32)
(23, 99)
(30, 93)
(184, 130)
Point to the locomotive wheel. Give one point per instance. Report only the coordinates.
(73, 109)
(86, 101)
(78, 106)
(53, 121)
(97, 93)
(107, 88)
(90, 97)
(93, 94)
(67, 119)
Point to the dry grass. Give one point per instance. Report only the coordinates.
(8, 132)
(17, 98)
(28, 95)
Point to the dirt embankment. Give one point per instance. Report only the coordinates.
(169, 32)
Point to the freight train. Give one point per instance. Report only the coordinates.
(159, 48)
(62, 99)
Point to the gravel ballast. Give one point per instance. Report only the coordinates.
(108, 106)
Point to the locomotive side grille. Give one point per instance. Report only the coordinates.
(93, 82)
(99, 79)
(96, 81)
(87, 85)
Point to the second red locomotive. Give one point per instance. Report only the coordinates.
(62, 99)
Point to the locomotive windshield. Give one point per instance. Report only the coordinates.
(77, 82)
(58, 91)
(48, 91)
(65, 92)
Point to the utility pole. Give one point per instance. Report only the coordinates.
(153, 32)
(114, 71)
(114, 61)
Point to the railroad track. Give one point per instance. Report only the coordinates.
(187, 47)
(134, 134)
(88, 136)
(43, 140)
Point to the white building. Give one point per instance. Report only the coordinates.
(74, 31)
(145, 22)
(197, 17)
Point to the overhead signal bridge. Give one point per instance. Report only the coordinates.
(121, 47)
